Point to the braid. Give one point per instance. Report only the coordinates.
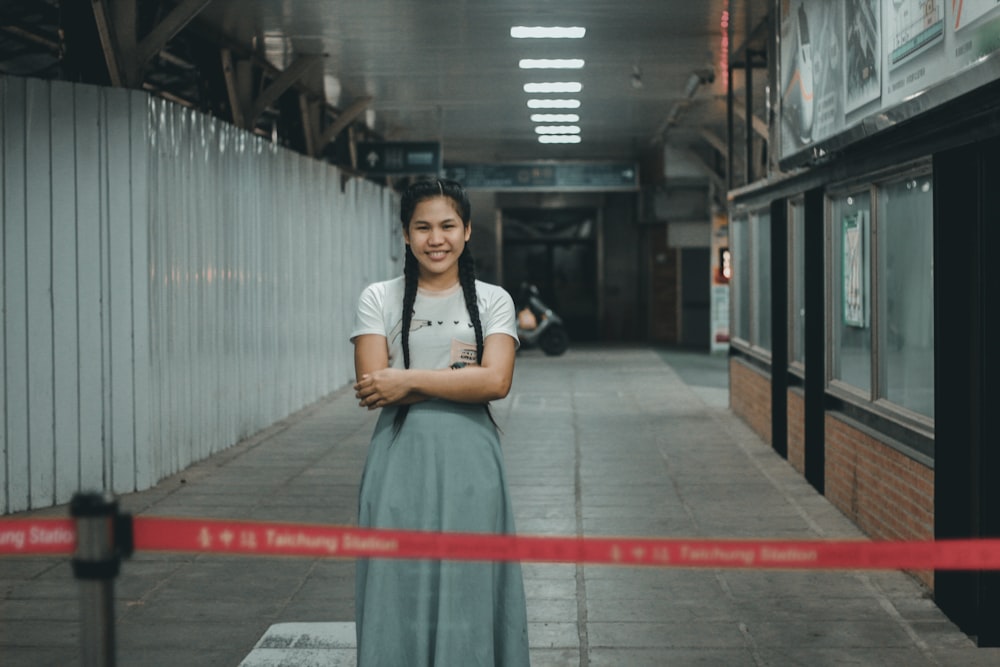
(467, 276)
(411, 271)
(410, 274)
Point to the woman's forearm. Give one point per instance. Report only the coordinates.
(472, 384)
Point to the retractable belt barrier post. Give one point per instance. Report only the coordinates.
(103, 536)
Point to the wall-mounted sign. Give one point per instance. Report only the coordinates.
(399, 157)
(592, 176)
(854, 260)
(849, 68)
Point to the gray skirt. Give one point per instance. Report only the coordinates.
(442, 472)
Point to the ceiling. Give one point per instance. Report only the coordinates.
(446, 70)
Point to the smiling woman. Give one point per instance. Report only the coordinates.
(432, 348)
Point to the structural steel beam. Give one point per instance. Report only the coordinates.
(174, 22)
(232, 88)
(715, 141)
(343, 120)
(759, 126)
(278, 86)
(108, 42)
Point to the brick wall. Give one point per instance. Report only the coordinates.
(797, 430)
(887, 494)
(750, 396)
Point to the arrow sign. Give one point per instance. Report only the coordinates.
(401, 157)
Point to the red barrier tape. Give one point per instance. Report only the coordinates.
(37, 536)
(281, 539)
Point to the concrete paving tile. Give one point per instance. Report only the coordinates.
(65, 608)
(765, 608)
(17, 633)
(300, 658)
(858, 633)
(170, 657)
(553, 635)
(200, 635)
(556, 657)
(548, 571)
(838, 657)
(318, 609)
(753, 584)
(39, 656)
(550, 589)
(659, 657)
(19, 569)
(558, 610)
(974, 657)
(665, 635)
(659, 609)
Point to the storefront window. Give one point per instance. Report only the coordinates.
(906, 294)
(850, 217)
(760, 231)
(797, 280)
(741, 278)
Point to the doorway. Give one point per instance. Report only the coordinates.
(556, 250)
(696, 330)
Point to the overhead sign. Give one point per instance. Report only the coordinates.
(399, 157)
(592, 176)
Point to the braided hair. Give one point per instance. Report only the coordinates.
(416, 193)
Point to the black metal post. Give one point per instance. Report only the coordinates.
(96, 563)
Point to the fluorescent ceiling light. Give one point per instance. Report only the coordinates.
(558, 129)
(559, 139)
(540, 32)
(553, 104)
(554, 87)
(551, 63)
(555, 118)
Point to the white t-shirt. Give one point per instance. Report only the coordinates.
(441, 331)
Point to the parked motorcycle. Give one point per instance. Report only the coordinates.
(538, 325)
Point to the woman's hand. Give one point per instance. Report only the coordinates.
(380, 388)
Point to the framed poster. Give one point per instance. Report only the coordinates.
(862, 53)
(854, 267)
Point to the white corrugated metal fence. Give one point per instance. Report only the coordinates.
(170, 285)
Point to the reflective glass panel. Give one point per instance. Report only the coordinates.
(797, 278)
(906, 294)
(760, 246)
(741, 278)
(850, 241)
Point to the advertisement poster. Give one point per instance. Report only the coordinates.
(812, 87)
(722, 272)
(846, 67)
(855, 270)
(862, 52)
(914, 25)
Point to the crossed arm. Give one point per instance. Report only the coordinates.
(379, 386)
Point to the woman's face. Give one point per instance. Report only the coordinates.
(437, 236)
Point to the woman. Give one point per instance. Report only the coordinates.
(431, 349)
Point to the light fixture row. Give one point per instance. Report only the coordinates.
(553, 134)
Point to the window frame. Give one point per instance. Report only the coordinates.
(870, 399)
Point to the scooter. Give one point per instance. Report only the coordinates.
(538, 325)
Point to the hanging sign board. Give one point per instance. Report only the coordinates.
(391, 158)
(583, 176)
